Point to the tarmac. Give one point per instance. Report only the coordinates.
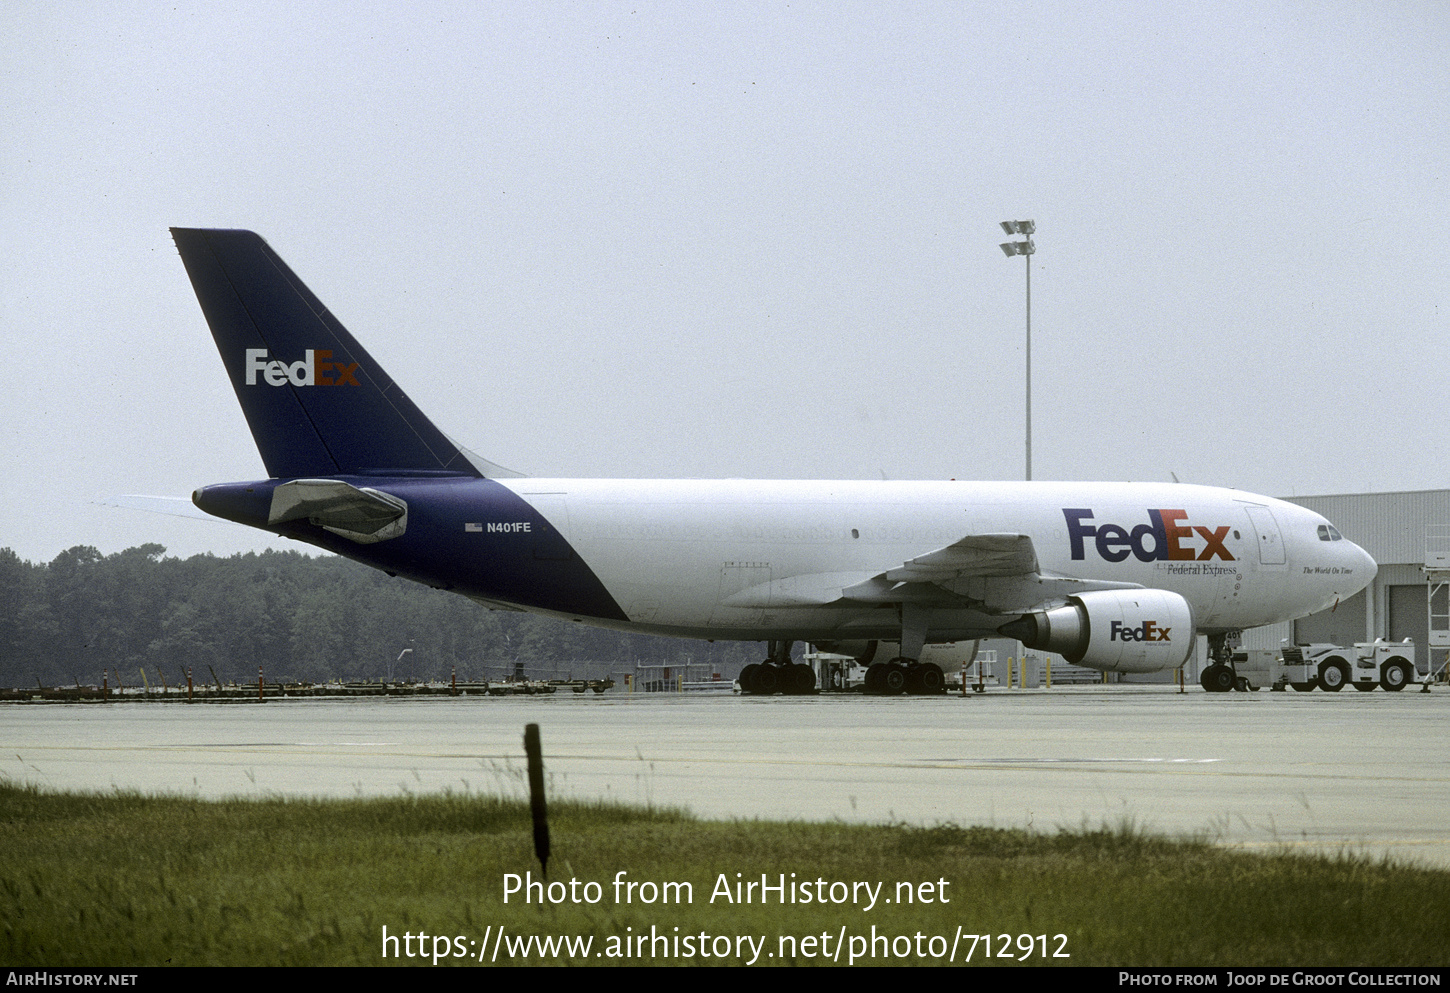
(1348, 772)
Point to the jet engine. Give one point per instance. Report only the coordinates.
(1112, 630)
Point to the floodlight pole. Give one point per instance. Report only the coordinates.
(1026, 248)
(1029, 367)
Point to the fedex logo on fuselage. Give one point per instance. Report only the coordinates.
(1161, 539)
(313, 370)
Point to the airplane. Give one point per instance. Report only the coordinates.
(1118, 577)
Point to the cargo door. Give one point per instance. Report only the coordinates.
(1271, 543)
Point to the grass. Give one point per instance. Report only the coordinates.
(125, 879)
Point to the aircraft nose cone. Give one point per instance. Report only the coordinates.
(1370, 567)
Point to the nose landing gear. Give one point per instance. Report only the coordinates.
(1221, 677)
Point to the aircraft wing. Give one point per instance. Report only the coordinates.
(995, 572)
(974, 555)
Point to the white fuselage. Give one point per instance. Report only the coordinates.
(756, 558)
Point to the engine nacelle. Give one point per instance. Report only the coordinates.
(1113, 630)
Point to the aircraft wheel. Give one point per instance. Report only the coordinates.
(747, 677)
(1217, 678)
(802, 679)
(932, 679)
(913, 680)
(767, 679)
(893, 680)
(1395, 675)
(874, 672)
(1333, 674)
(1303, 687)
(785, 679)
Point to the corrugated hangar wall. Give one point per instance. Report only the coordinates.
(1392, 527)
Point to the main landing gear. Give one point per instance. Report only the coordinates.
(778, 674)
(906, 673)
(905, 676)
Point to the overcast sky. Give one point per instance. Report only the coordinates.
(738, 239)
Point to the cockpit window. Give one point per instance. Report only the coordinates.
(1334, 535)
(1327, 532)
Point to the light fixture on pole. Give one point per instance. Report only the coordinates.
(1010, 248)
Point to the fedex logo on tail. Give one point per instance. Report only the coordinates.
(1161, 539)
(313, 370)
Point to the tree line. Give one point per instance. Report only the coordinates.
(300, 617)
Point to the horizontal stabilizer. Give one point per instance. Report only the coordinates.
(363, 515)
(171, 506)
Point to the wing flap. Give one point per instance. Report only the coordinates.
(974, 555)
(1017, 594)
